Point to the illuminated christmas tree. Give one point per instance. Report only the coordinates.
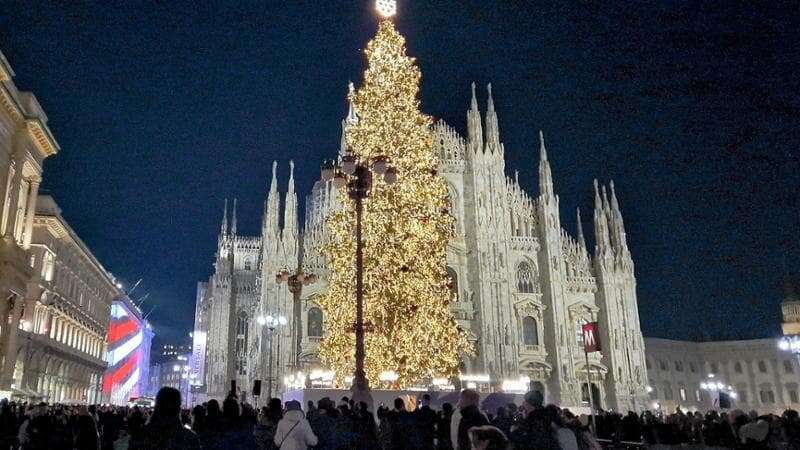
(406, 228)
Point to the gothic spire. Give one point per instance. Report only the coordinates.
(224, 227)
(474, 128)
(600, 224)
(581, 239)
(616, 219)
(350, 119)
(351, 110)
(273, 205)
(492, 129)
(545, 175)
(290, 211)
(233, 218)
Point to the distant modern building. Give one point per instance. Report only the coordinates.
(522, 285)
(25, 142)
(172, 350)
(129, 340)
(173, 373)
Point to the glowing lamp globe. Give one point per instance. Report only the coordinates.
(386, 8)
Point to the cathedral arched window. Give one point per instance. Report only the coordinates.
(242, 327)
(526, 278)
(248, 264)
(452, 282)
(315, 322)
(530, 331)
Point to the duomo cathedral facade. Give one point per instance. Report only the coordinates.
(523, 286)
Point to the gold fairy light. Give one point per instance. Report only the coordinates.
(406, 229)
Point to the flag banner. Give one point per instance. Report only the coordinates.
(591, 337)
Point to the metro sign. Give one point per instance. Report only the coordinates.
(591, 338)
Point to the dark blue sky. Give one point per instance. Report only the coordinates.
(163, 109)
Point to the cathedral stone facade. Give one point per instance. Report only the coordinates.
(522, 285)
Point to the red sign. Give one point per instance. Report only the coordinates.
(591, 337)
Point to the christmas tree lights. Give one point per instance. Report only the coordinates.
(406, 227)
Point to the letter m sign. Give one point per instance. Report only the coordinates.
(591, 339)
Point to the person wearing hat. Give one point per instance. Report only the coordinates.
(294, 431)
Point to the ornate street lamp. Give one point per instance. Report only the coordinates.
(295, 282)
(357, 176)
(271, 323)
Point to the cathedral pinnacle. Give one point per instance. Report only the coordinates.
(614, 202)
(597, 204)
(233, 218)
(492, 128)
(474, 127)
(224, 228)
(474, 102)
(581, 239)
(545, 175)
(543, 150)
(352, 117)
(273, 185)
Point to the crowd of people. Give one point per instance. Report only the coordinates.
(328, 425)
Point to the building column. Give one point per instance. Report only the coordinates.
(60, 331)
(53, 323)
(33, 194)
(10, 348)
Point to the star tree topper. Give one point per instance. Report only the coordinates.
(386, 8)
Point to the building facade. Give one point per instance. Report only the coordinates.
(173, 372)
(522, 285)
(760, 375)
(60, 343)
(25, 142)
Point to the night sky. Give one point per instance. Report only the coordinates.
(165, 108)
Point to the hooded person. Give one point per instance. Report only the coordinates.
(294, 431)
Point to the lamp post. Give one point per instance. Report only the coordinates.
(271, 323)
(295, 282)
(357, 176)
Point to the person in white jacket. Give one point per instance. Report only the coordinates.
(294, 432)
